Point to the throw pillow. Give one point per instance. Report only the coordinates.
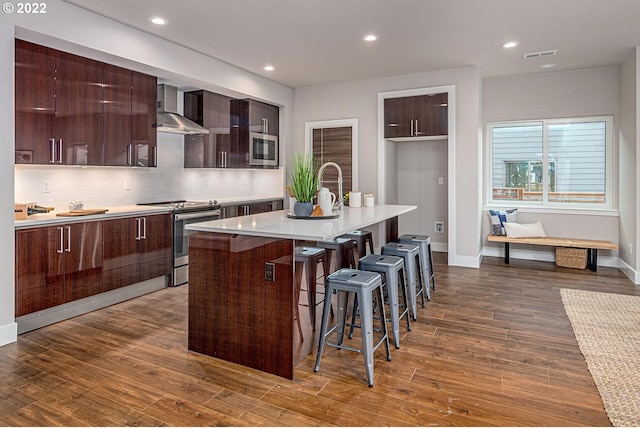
(525, 230)
(499, 218)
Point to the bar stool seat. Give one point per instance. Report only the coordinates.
(361, 238)
(411, 255)
(366, 286)
(424, 242)
(307, 259)
(343, 247)
(393, 280)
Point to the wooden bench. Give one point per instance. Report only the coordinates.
(591, 245)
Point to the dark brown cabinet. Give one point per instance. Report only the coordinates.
(34, 103)
(58, 107)
(258, 207)
(57, 264)
(212, 111)
(249, 116)
(129, 112)
(419, 116)
(143, 116)
(139, 248)
(72, 110)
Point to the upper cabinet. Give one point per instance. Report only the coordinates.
(250, 116)
(419, 116)
(210, 110)
(72, 110)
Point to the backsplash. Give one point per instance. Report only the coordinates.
(101, 187)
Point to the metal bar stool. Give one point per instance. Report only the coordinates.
(411, 255)
(394, 279)
(309, 257)
(343, 247)
(361, 238)
(424, 242)
(365, 285)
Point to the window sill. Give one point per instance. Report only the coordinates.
(608, 212)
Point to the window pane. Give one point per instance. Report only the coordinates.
(516, 164)
(578, 152)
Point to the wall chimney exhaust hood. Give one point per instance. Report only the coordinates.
(168, 119)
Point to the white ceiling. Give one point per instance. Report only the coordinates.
(312, 42)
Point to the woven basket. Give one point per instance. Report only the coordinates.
(571, 257)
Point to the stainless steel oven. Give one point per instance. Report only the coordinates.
(186, 212)
(263, 149)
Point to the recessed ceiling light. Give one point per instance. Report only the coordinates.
(269, 67)
(509, 45)
(548, 65)
(370, 38)
(158, 20)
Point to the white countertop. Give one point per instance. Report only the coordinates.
(276, 224)
(37, 220)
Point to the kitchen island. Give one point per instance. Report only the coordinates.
(242, 287)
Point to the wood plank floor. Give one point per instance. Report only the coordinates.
(494, 347)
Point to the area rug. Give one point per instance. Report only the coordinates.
(607, 327)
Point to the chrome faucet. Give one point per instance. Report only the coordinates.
(321, 171)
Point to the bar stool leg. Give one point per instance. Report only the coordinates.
(323, 327)
(432, 275)
(311, 271)
(343, 300)
(365, 302)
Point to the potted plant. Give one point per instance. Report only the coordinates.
(303, 179)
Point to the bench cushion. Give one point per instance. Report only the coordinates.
(525, 230)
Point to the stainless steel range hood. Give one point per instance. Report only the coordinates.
(168, 119)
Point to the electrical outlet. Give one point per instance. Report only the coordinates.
(46, 188)
(269, 272)
(206, 182)
(440, 180)
(630, 249)
(127, 184)
(439, 227)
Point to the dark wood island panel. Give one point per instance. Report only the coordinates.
(235, 313)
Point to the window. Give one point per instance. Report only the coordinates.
(560, 162)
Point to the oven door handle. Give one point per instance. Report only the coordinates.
(200, 214)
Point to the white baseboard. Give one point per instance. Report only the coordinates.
(8, 333)
(629, 272)
(466, 261)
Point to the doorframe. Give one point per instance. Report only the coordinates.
(451, 153)
(336, 123)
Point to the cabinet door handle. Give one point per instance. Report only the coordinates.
(144, 228)
(265, 126)
(411, 133)
(417, 132)
(129, 154)
(60, 150)
(68, 249)
(60, 250)
(224, 164)
(52, 159)
(155, 156)
(138, 227)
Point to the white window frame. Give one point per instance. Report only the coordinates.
(610, 154)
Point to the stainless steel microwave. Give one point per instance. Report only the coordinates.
(263, 149)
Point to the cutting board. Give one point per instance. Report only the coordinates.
(77, 213)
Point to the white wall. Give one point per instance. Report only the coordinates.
(592, 92)
(358, 99)
(78, 31)
(422, 162)
(628, 138)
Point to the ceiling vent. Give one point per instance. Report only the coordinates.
(540, 54)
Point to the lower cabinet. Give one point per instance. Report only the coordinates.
(57, 264)
(62, 263)
(137, 249)
(259, 207)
